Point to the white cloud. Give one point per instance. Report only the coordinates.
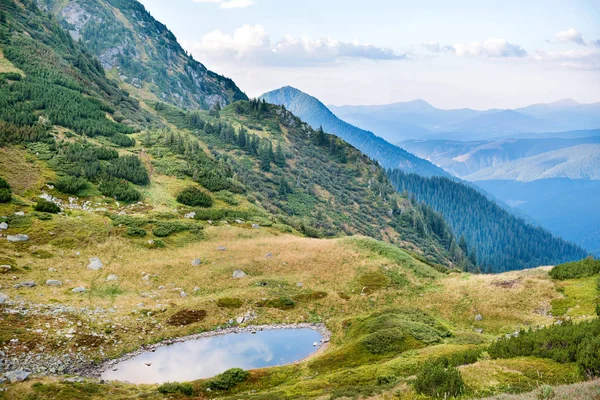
(436, 47)
(229, 3)
(492, 48)
(252, 44)
(571, 35)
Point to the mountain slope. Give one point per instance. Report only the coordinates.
(317, 115)
(567, 112)
(142, 52)
(577, 162)
(501, 241)
(503, 122)
(465, 158)
(251, 160)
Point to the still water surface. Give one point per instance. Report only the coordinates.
(207, 357)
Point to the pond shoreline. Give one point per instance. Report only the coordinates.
(96, 371)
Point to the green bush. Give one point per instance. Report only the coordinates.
(164, 229)
(228, 302)
(386, 379)
(137, 232)
(598, 309)
(598, 283)
(386, 341)
(282, 303)
(546, 393)
(588, 357)
(46, 206)
(576, 269)
(175, 387)
(439, 380)
(5, 194)
(228, 379)
(228, 197)
(119, 189)
(194, 197)
(71, 184)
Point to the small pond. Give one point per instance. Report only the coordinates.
(210, 356)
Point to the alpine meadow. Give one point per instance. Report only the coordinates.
(170, 231)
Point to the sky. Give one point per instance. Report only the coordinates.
(465, 53)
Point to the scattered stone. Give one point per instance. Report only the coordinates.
(3, 298)
(221, 248)
(196, 289)
(53, 282)
(255, 226)
(183, 294)
(299, 284)
(196, 262)
(315, 344)
(479, 330)
(17, 376)
(111, 278)
(151, 242)
(17, 238)
(95, 264)
(161, 287)
(20, 213)
(190, 215)
(3, 226)
(239, 320)
(478, 317)
(51, 269)
(5, 268)
(26, 284)
(239, 221)
(238, 274)
(79, 289)
(269, 255)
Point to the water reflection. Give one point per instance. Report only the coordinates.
(206, 357)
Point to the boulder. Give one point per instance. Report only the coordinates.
(5, 268)
(17, 238)
(27, 284)
(196, 262)
(3, 226)
(51, 269)
(112, 278)
(95, 264)
(190, 215)
(238, 274)
(255, 226)
(79, 289)
(53, 282)
(17, 376)
(3, 298)
(478, 317)
(299, 284)
(221, 248)
(269, 255)
(20, 213)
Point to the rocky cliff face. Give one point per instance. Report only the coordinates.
(142, 52)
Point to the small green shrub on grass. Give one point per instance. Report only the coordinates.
(46, 206)
(439, 380)
(194, 197)
(576, 269)
(164, 229)
(228, 379)
(119, 189)
(229, 302)
(546, 392)
(282, 303)
(136, 232)
(386, 379)
(588, 357)
(175, 387)
(228, 197)
(387, 341)
(71, 184)
(5, 194)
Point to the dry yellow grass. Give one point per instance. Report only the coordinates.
(7, 66)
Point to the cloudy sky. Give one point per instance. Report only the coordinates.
(463, 53)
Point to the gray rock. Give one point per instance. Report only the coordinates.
(112, 278)
(3, 298)
(221, 248)
(196, 289)
(27, 284)
(17, 376)
(3, 226)
(269, 255)
(255, 226)
(5, 268)
(51, 269)
(478, 317)
(79, 289)
(95, 264)
(17, 238)
(238, 274)
(479, 330)
(196, 262)
(20, 213)
(53, 282)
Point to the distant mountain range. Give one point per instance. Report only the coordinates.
(316, 114)
(419, 119)
(466, 158)
(577, 162)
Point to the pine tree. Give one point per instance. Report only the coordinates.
(279, 157)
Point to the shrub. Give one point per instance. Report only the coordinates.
(282, 303)
(598, 283)
(175, 387)
(386, 341)
(386, 379)
(46, 206)
(576, 269)
(129, 168)
(164, 229)
(588, 357)
(228, 197)
(194, 197)
(439, 380)
(119, 189)
(228, 379)
(546, 393)
(598, 309)
(71, 184)
(5, 194)
(137, 232)
(228, 302)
